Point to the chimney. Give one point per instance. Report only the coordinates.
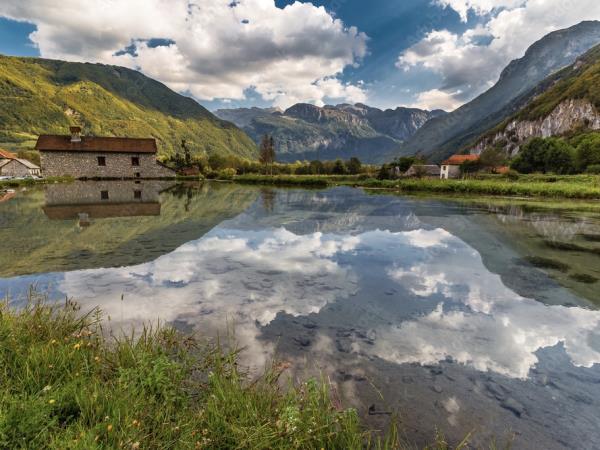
(75, 134)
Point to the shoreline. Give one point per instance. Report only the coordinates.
(525, 188)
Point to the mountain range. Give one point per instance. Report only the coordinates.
(40, 96)
(307, 132)
(567, 102)
(519, 83)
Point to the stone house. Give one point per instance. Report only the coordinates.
(99, 157)
(11, 166)
(423, 171)
(451, 166)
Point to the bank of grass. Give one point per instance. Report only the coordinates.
(543, 186)
(63, 385)
(8, 184)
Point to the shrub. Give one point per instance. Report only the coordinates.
(594, 169)
(227, 174)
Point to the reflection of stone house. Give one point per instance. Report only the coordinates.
(102, 199)
(423, 171)
(451, 167)
(11, 166)
(100, 157)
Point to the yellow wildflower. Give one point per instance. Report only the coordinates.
(52, 401)
(77, 346)
(109, 427)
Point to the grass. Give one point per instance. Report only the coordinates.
(543, 186)
(32, 181)
(64, 385)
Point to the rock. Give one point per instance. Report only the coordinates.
(303, 341)
(437, 389)
(513, 406)
(343, 345)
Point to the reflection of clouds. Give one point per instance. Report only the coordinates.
(494, 329)
(548, 226)
(244, 278)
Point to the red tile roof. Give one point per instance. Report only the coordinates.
(48, 143)
(7, 155)
(457, 160)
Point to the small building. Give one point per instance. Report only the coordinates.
(11, 166)
(451, 167)
(423, 171)
(99, 157)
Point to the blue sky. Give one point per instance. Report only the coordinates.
(386, 53)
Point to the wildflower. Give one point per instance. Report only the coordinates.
(109, 427)
(47, 388)
(135, 445)
(53, 341)
(97, 358)
(77, 346)
(52, 401)
(135, 423)
(50, 366)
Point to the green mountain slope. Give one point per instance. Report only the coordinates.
(567, 102)
(45, 96)
(448, 134)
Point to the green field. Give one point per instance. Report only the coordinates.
(542, 186)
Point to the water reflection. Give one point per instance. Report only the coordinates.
(103, 199)
(429, 300)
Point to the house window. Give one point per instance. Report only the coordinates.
(137, 175)
(102, 160)
(103, 195)
(137, 195)
(135, 161)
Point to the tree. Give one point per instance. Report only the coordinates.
(316, 167)
(404, 163)
(560, 157)
(588, 151)
(354, 166)
(267, 151)
(339, 168)
(186, 153)
(532, 157)
(493, 157)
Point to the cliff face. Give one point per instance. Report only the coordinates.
(567, 116)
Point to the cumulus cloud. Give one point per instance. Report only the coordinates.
(471, 62)
(210, 48)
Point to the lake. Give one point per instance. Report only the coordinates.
(454, 314)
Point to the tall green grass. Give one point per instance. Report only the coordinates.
(543, 186)
(64, 385)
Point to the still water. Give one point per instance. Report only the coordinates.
(456, 315)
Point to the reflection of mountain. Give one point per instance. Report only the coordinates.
(38, 244)
(103, 199)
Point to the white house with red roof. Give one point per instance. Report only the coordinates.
(451, 166)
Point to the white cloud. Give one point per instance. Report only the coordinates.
(471, 62)
(220, 48)
(437, 99)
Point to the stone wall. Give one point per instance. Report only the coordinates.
(118, 165)
(14, 169)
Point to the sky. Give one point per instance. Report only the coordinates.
(239, 53)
